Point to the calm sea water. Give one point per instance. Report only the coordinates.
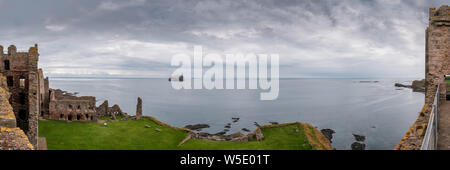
(379, 111)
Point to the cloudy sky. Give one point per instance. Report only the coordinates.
(137, 38)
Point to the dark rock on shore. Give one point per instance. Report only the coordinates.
(235, 119)
(328, 133)
(402, 85)
(274, 123)
(197, 126)
(203, 134)
(358, 146)
(220, 133)
(257, 125)
(417, 85)
(359, 138)
(245, 130)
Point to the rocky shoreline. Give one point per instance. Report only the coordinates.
(257, 135)
(328, 133)
(416, 86)
(359, 144)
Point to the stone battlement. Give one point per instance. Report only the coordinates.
(440, 16)
(12, 50)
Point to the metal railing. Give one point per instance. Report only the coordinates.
(430, 140)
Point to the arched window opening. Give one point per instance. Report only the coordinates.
(22, 82)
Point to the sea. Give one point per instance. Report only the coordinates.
(374, 108)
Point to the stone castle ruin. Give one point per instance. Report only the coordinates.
(437, 60)
(25, 96)
(437, 67)
(22, 80)
(67, 106)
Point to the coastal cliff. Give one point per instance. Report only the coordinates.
(413, 138)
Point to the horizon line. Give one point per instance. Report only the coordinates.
(135, 77)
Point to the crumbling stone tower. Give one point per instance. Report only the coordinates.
(139, 108)
(437, 60)
(22, 77)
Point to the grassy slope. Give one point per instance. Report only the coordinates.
(118, 135)
(281, 138)
(133, 135)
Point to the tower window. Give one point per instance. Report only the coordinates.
(22, 82)
(6, 62)
(10, 81)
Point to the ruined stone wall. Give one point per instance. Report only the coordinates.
(437, 52)
(112, 112)
(11, 137)
(72, 108)
(437, 66)
(41, 92)
(21, 72)
(139, 108)
(44, 95)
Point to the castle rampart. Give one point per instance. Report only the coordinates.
(437, 66)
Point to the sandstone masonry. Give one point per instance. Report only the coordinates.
(67, 106)
(11, 137)
(437, 61)
(437, 66)
(22, 77)
(139, 108)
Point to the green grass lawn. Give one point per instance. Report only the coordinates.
(132, 134)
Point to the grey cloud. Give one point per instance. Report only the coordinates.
(315, 38)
